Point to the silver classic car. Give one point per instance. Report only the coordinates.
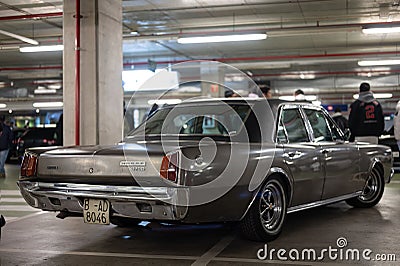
(211, 160)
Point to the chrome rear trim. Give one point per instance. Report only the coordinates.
(124, 200)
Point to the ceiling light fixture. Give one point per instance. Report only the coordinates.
(45, 91)
(292, 98)
(47, 104)
(164, 101)
(381, 30)
(3, 105)
(42, 48)
(387, 62)
(19, 37)
(223, 38)
(377, 96)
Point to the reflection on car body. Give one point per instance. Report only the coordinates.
(211, 161)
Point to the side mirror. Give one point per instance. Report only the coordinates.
(347, 134)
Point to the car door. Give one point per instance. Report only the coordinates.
(340, 159)
(300, 156)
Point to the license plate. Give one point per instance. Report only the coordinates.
(395, 154)
(96, 211)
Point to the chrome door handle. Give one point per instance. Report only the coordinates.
(293, 153)
(324, 151)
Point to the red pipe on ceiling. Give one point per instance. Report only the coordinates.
(278, 57)
(33, 16)
(77, 71)
(272, 57)
(29, 68)
(328, 73)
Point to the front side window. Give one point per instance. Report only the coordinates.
(291, 128)
(319, 125)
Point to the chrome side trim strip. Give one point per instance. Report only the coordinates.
(322, 202)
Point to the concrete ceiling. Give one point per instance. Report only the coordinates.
(318, 37)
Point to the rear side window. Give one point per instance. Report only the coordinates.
(221, 120)
(291, 128)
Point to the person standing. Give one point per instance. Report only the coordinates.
(266, 91)
(6, 138)
(366, 116)
(396, 124)
(299, 95)
(340, 120)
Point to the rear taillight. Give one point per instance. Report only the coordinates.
(29, 165)
(169, 167)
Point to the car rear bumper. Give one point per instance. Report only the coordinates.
(147, 203)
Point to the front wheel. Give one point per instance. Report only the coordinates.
(264, 219)
(372, 192)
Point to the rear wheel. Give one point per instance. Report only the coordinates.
(264, 220)
(372, 192)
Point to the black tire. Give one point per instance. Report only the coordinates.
(264, 220)
(124, 221)
(372, 192)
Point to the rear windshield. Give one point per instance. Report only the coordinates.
(223, 120)
(38, 133)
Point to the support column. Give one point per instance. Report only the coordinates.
(101, 93)
(212, 77)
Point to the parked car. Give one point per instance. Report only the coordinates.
(35, 137)
(251, 161)
(13, 153)
(2, 223)
(388, 139)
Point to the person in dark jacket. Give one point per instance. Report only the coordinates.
(6, 138)
(340, 120)
(366, 115)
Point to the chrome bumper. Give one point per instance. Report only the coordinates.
(162, 203)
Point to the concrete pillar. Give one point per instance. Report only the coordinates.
(212, 75)
(101, 104)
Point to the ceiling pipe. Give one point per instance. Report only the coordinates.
(283, 74)
(272, 32)
(30, 68)
(33, 16)
(272, 58)
(269, 58)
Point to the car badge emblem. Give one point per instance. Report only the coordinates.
(138, 166)
(132, 163)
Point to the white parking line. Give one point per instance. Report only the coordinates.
(13, 200)
(100, 254)
(24, 208)
(167, 257)
(4, 192)
(25, 217)
(214, 251)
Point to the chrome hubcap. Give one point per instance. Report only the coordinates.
(371, 189)
(271, 206)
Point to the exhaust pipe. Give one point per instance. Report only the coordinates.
(65, 214)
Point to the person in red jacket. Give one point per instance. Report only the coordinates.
(366, 116)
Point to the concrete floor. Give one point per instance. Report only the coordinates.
(39, 238)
